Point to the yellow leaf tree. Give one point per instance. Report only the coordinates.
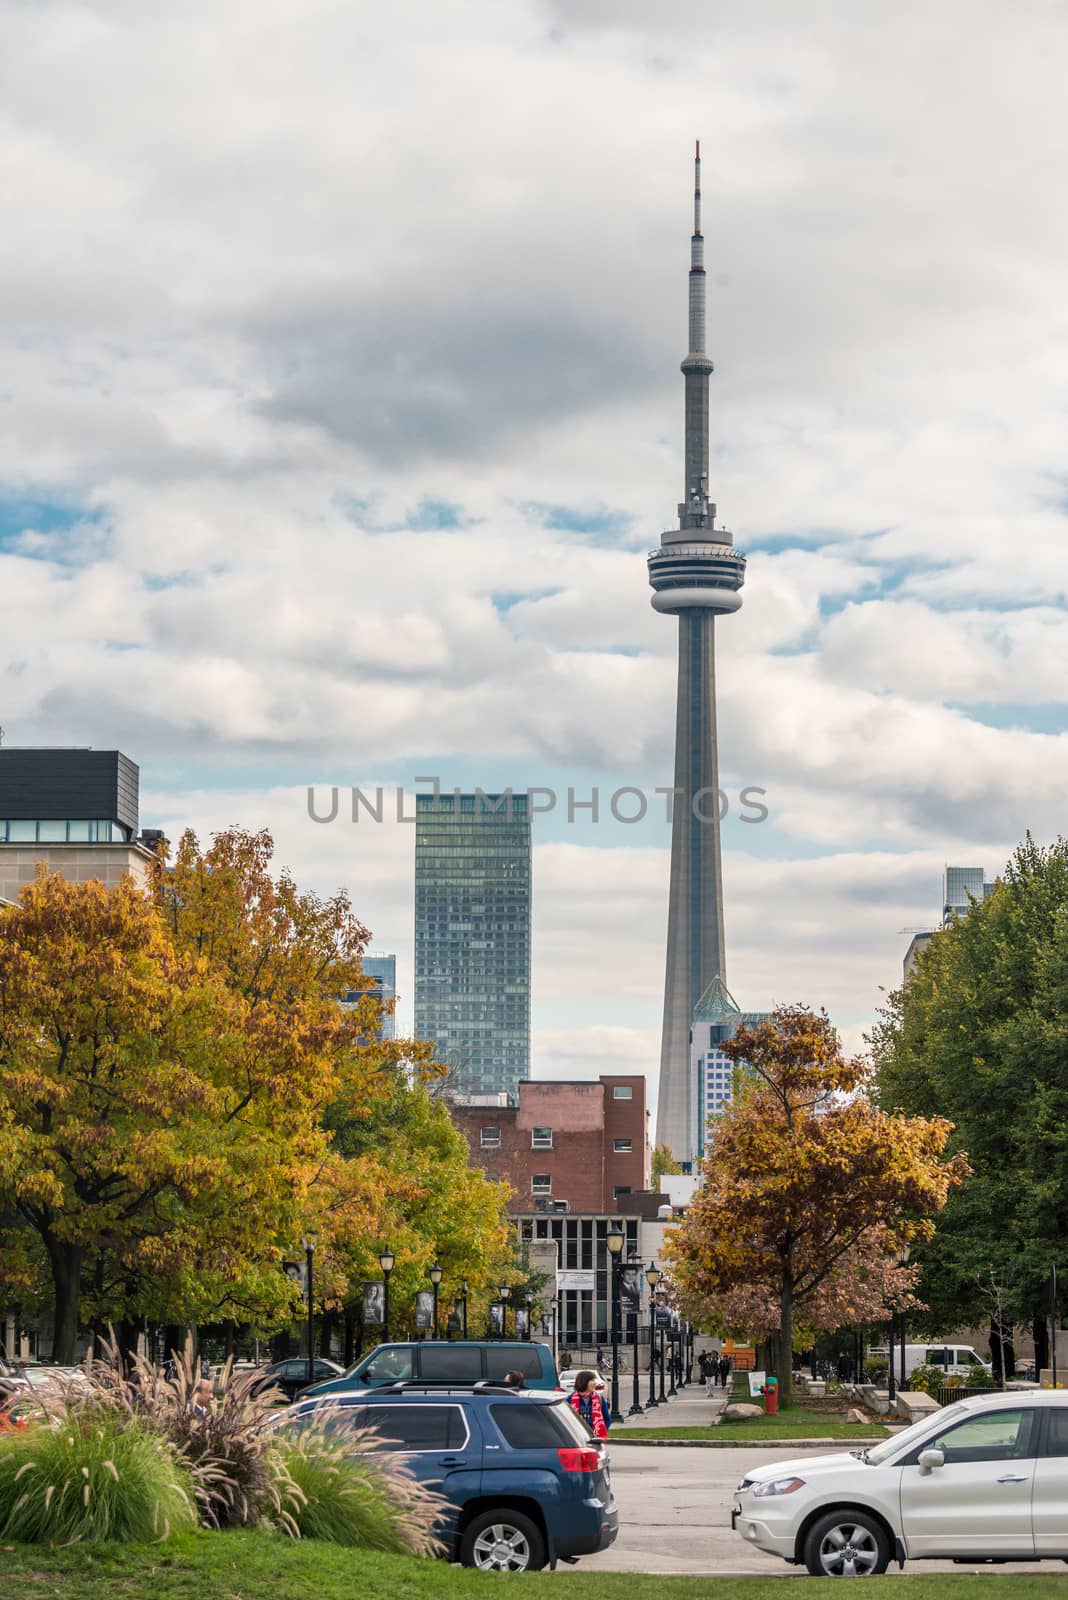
(806, 1190)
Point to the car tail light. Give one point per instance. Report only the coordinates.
(579, 1460)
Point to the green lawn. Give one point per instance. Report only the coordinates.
(257, 1566)
(799, 1422)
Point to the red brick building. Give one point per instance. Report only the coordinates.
(579, 1146)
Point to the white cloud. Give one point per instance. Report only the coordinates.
(293, 280)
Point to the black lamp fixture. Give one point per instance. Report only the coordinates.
(653, 1276)
(387, 1261)
(435, 1278)
(503, 1291)
(309, 1241)
(615, 1239)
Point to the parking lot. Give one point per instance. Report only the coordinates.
(675, 1516)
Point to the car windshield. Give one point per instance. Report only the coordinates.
(911, 1435)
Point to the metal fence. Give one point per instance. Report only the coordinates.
(950, 1392)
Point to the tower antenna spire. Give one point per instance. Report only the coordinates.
(696, 575)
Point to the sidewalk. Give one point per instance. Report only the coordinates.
(691, 1408)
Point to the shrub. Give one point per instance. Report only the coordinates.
(352, 1494)
(876, 1367)
(928, 1379)
(236, 1471)
(85, 1472)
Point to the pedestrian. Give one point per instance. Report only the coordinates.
(565, 1362)
(514, 1380)
(588, 1405)
(202, 1398)
(598, 1359)
(703, 1361)
(726, 1367)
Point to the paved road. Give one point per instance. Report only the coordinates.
(675, 1516)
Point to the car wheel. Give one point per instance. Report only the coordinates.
(847, 1544)
(502, 1541)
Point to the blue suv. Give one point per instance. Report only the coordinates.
(456, 1361)
(527, 1484)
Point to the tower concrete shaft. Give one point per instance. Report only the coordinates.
(696, 575)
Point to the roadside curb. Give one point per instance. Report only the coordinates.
(739, 1444)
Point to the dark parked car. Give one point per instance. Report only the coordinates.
(457, 1361)
(292, 1376)
(527, 1484)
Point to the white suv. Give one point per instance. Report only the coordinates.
(984, 1479)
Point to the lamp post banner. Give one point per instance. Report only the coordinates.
(496, 1312)
(521, 1320)
(630, 1289)
(374, 1304)
(297, 1272)
(424, 1309)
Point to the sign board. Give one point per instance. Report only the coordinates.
(756, 1382)
(569, 1279)
(297, 1272)
(424, 1309)
(374, 1304)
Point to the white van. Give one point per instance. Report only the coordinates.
(952, 1358)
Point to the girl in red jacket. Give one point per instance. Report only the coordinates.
(588, 1404)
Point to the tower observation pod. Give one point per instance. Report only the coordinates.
(696, 575)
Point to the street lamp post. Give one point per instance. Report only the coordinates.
(615, 1240)
(504, 1290)
(636, 1399)
(672, 1391)
(663, 1334)
(435, 1279)
(902, 1263)
(653, 1276)
(310, 1240)
(387, 1261)
(528, 1301)
(463, 1302)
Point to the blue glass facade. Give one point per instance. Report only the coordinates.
(472, 937)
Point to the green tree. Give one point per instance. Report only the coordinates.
(806, 1191)
(663, 1165)
(979, 1034)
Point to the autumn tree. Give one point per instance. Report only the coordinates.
(979, 1034)
(807, 1190)
(663, 1164)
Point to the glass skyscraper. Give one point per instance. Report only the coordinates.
(472, 937)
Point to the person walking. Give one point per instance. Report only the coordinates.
(726, 1367)
(588, 1405)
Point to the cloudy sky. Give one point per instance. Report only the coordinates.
(341, 403)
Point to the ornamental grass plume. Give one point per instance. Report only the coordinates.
(237, 1474)
(85, 1472)
(352, 1492)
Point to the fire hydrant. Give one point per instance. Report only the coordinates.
(770, 1391)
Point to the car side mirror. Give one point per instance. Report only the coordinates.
(929, 1460)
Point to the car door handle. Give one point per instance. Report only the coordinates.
(450, 1461)
(1014, 1477)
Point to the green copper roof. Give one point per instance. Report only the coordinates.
(717, 1004)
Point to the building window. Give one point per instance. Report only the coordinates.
(541, 1183)
(541, 1139)
(622, 1147)
(622, 1091)
(490, 1138)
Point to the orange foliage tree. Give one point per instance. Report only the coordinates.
(807, 1191)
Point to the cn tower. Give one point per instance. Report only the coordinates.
(696, 575)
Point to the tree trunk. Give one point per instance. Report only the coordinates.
(66, 1263)
(785, 1352)
(1002, 1355)
(326, 1333)
(1040, 1330)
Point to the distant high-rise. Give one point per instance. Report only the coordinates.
(380, 979)
(696, 575)
(961, 886)
(472, 937)
(716, 1019)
